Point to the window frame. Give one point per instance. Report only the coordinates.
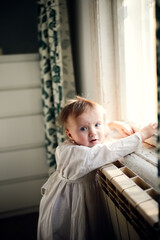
(97, 63)
(147, 73)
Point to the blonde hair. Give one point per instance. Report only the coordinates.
(75, 107)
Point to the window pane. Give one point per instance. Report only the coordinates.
(139, 55)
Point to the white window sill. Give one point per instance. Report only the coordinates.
(143, 162)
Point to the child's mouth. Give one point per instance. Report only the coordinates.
(93, 140)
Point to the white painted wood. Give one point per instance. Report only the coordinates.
(11, 103)
(19, 75)
(118, 17)
(23, 163)
(21, 195)
(23, 166)
(21, 131)
(106, 58)
(86, 67)
(19, 58)
(96, 53)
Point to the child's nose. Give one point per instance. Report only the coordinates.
(92, 132)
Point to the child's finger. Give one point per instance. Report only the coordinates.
(128, 130)
(154, 125)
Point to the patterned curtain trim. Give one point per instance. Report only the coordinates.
(57, 77)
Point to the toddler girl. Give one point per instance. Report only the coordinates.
(72, 206)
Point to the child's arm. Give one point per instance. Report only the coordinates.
(148, 131)
(125, 129)
(122, 127)
(76, 161)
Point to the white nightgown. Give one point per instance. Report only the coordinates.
(72, 206)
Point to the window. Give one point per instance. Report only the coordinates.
(127, 60)
(135, 26)
(115, 56)
(115, 65)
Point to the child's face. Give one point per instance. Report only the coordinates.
(88, 128)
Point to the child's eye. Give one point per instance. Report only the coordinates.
(83, 129)
(97, 124)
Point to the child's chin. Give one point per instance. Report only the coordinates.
(93, 143)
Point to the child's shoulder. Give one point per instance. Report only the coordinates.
(67, 144)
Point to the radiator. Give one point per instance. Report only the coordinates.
(131, 203)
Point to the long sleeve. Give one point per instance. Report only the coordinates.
(76, 161)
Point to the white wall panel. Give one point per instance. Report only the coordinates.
(23, 163)
(20, 195)
(11, 103)
(19, 74)
(17, 132)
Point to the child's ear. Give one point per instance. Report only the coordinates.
(68, 134)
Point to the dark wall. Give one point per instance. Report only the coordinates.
(74, 33)
(18, 26)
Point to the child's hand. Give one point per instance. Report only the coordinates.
(149, 131)
(123, 128)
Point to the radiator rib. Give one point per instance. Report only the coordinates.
(133, 198)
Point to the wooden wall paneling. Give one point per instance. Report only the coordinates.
(18, 132)
(23, 163)
(20, 72)
(20, 102)
(20, 195)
